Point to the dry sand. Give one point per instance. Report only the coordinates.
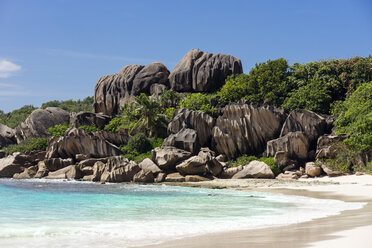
(349, 229)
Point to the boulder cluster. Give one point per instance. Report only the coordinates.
(198, 146)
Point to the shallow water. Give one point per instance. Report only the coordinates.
(45, 213)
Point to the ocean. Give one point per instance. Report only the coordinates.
(52, 213)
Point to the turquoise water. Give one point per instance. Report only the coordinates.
(41, 213)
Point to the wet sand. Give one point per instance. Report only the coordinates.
(349, 229)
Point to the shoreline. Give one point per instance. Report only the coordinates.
(342, 230)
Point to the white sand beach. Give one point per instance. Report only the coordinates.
(351, 228)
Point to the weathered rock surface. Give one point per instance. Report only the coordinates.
(17, 162)
(167, 157)
(53, 164)
(79, 142)
(201, 122)
(295, 144)
(328, 170)
(143, 176)
(185, 139)
(214, 167)
(312, 170)
(323, 149)
(195, 178)
(244, 129)
(282, 159)
(200, 72)
(42, 170)
(28, 173)
(255, 169)
(7, 136)
(91, 162)
(306, 121)
(148, 165)
(230, 172)
(112, 91)
(174, 177)
(117, 169)
(69, 172)
(37, 124)
(118, 139)
(193, 166)
(160, 177)
(90, 118)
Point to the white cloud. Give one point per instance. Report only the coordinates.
(12, 90)
(7, 68)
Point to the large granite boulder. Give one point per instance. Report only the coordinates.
(118, 139)
(228, 173)
(80, 142)
(28, 173)
(255, 169)
(312, 170)
(69, 172)
(201, 122)
(112, 91)
(7, 136)
(200, 72)
(195, 165)
(185, 139)
(53, 164)
(143, 176)
(10, 166)
(295, 144)
(148, 165)
(117, 169)
(244, 129)
(17, 162)
(306, 121)
(37, 124)
(89, 118)
(167, 157)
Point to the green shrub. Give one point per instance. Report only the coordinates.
(355, 118)
(28, 145)
(58, 130)
(198, 101)
(139, 143)
(139, 147)
(270, 162)
(243, 160)
(71, 105)
(169, 98)
(89, 129)
(169, 113)
(313, 96)
(234, 89)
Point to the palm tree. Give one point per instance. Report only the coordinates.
(150, 118)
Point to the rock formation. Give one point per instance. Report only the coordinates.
(80, 142)
(37, 124)
(201, 122)
(244, 129)
(7, 136)
(112, 91)
(255, 169)
(295, 144)
(89, 118)
(200, 72)
(306, 121)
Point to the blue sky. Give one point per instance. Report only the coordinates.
(57, 49)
